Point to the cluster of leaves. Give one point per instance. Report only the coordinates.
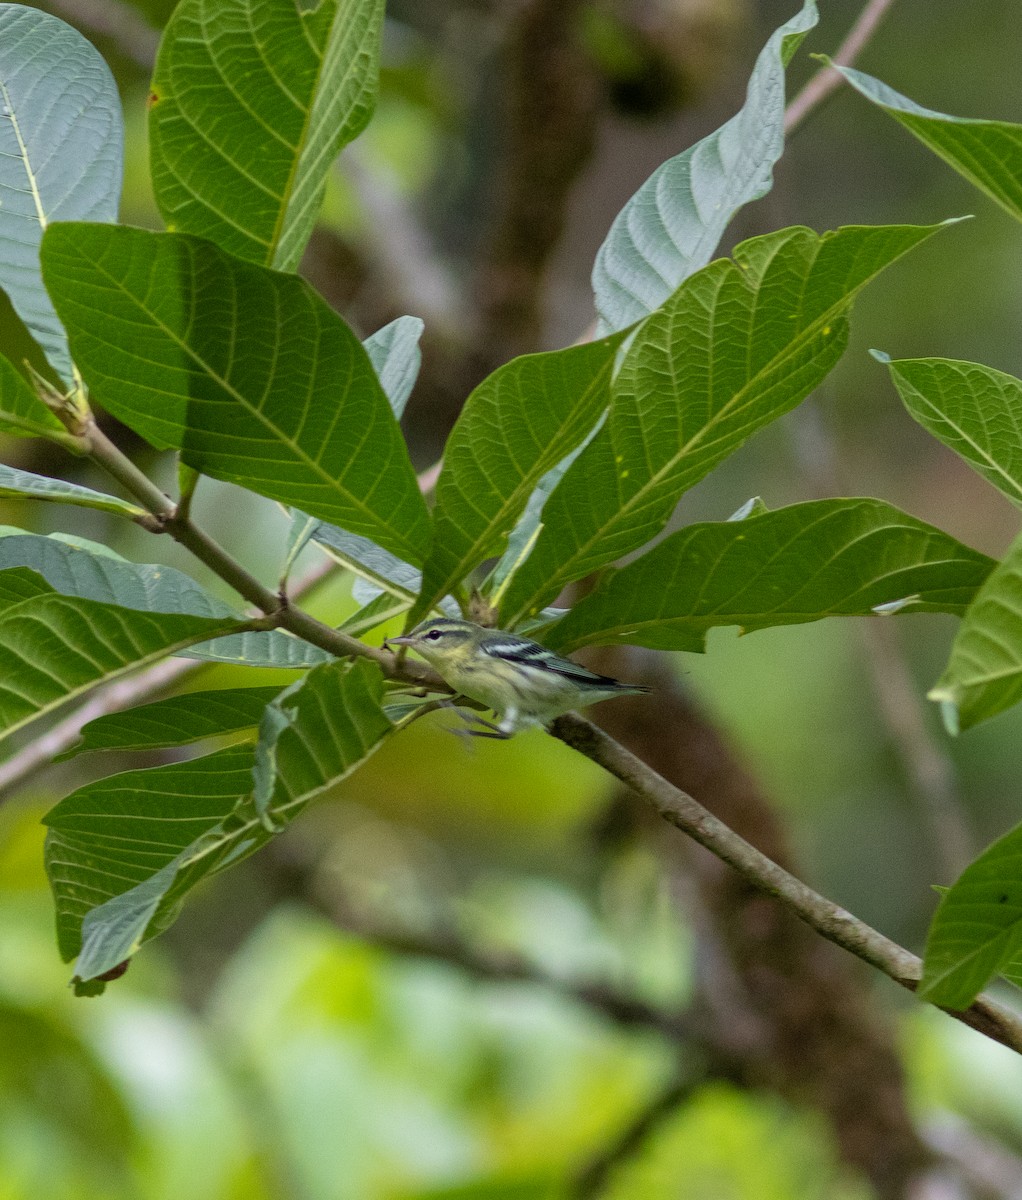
(205, 342)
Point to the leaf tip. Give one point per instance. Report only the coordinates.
(949, 712)
(895, 606)
(753, 507)
(881, 356)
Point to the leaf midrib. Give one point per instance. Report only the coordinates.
(29, 172)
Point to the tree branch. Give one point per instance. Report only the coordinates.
(827, 918)
(182, 529)
(827, 80)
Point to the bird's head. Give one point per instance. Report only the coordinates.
(441, 640)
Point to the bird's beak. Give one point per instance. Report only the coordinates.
(400, 641)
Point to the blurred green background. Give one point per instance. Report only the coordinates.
(281, 1041)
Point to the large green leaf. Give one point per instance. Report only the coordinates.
(671, 226)
(977, 930)
(123, 852)
(797, 564)
(975, 410)
(22, 413)
(82, 569)
(245, 370)
(61, 149)
(736, 346)
(987, 153)
(518, 424)
(114, 835)
(252, 102)
(55, 647)
(176, 721)
(26, 485)
(984, 673)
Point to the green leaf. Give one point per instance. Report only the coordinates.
(176, 721)
(61, 149)
(246, 371)
(376, 570)
(53, 647)
(785, 567)
(671, 226)
(260, 648)
(122, 853)
(523, 536)
(987, 153)
(252, 102)
(298, 536)
(98, 573)
(372, 615)
(975, 410)
(396, 358)
(335, 721)
(383, 570)
(977, 930)
(516, 426)
(22, 413)
(25, 484)
(115, 835)
(79, 568)
(984, 673)
(739, 344)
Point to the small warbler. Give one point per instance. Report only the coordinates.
(523, 682)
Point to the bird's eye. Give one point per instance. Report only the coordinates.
(434, 635)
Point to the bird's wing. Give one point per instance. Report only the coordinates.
(531, 654)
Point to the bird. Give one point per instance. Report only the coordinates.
(521, 681)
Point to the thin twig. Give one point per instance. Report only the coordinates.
(827, 80)
(827, 918)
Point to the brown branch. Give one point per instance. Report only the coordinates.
(827, 80)
(827, 918)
